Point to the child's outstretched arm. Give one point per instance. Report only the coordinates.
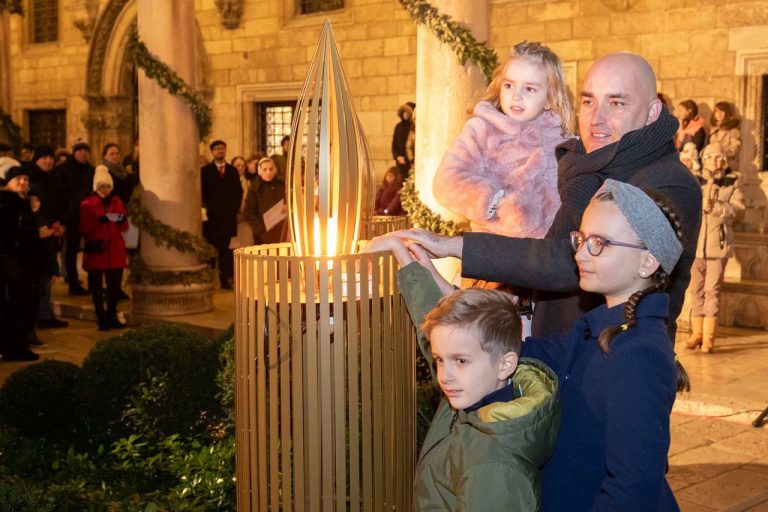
(417, 284)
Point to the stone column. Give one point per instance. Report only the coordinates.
(5, 61)
(169, 158)
(444, 91)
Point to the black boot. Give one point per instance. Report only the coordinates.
(112, 320)
(98, 306)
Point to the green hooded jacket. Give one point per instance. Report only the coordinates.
(487, 459)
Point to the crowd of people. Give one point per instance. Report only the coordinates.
(57, 203)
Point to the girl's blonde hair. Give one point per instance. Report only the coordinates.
(558, 99)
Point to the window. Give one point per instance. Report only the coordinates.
(313, 6)
(44, 24)
(273, 122)
(48, 127)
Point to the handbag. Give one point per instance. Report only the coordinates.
(94, 247)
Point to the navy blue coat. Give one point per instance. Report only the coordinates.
(612, 450)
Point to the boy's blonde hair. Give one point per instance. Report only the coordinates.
(492, 315)
(558, 99)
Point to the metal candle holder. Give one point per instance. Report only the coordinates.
(325, 349)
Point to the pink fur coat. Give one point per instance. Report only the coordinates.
(493, 153)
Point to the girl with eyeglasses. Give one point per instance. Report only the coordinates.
(617, 368)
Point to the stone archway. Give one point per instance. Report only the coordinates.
(111, 77)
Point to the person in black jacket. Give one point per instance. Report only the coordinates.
(625, 134)
(18, 272)
(222, 195)
(76, 176)
(400, 138)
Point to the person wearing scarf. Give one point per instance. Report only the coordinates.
(632, 143)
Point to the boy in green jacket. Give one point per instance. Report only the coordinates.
(498, 421)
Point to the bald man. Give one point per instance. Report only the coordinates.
(625, 134)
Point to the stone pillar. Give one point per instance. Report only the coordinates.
(5, 61)
(169, 158)
(444, 91)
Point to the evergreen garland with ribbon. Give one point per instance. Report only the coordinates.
(169, 80)
(172, 238)
(141, 274)
(162, 233)
(421, 216)
(467, 48)
(455, 35)
(12, 6)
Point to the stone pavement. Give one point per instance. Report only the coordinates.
(718, 461)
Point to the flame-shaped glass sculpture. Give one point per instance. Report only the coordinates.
(329, 178)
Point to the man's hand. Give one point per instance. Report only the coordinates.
(400, 160)
(438, 246)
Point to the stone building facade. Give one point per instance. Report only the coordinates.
(257, 51)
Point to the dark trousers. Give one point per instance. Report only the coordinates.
(226, 263)
(18, 309)
(71, 248)
(45, 309)
(96, 280)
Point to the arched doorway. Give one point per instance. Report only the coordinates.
(111, 81)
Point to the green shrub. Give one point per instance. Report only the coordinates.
(37, 401)
(226, 381)
(116, 367)
(15, 495)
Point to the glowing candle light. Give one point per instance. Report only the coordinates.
(329, 176)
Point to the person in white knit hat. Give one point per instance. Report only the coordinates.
(102, 221)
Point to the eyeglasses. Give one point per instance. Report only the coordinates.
(596, 243)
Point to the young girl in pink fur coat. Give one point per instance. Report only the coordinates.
(501, 173)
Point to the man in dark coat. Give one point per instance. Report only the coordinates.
(76, 177)
(222, 196)
(625, 134)
(18, 276)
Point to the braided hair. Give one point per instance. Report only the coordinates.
(660, 280)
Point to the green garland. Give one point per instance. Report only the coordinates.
(163, 233)
(169, 80)
(12, 6)
(455, 35)
(172, 238)
(421, 216)
(141, 274)
(13, 130)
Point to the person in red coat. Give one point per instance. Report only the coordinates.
(388, 195)
(102, 221)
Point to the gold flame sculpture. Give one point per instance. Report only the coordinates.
(325, 349)
(329, 178)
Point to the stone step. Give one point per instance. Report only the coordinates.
(210, 325)
(744, 303)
